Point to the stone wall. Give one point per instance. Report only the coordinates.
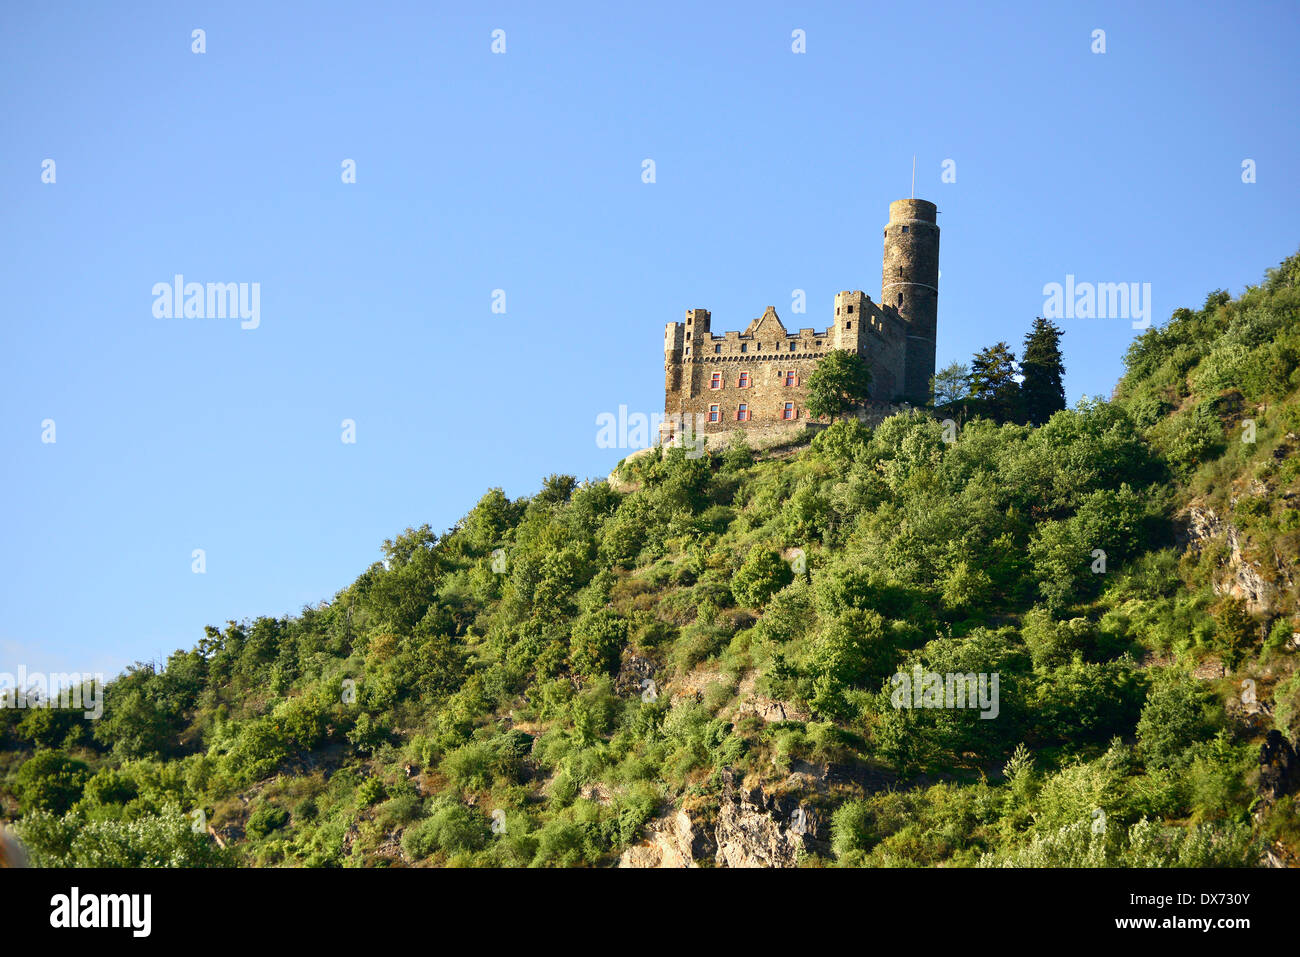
(708, 377)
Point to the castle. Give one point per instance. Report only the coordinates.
(755, 380)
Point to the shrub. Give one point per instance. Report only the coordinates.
(762, 574)
(50, 781)
(1177, 713)
(266, 819)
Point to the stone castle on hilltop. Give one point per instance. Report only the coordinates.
(754, 380)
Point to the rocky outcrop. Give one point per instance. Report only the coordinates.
(753, 828)
(757, 829)
(770, 709)
(674, 840)
(1279, 767)
(636, 675)
(1240, 577)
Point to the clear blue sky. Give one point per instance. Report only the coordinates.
(522, 172)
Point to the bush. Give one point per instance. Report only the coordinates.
(266, 819)
(50, 781)
(597, 642)
(1177, 713)
(762, 574)
(162, 840)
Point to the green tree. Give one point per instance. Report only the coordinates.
(993, 385)
(267, 818)
(1235, 630)
(762, 574)
(50, 781)
(1177, 713)
(1042, 391)
(597, 642)
(840, 383)
(950, 384)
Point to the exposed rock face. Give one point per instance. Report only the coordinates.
(756, 829)
(753, 829)
(636, 675)
(770, 709)
(1241, 577)
(672, 841)
(1279, 767)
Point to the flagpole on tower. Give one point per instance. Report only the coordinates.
(914, 176)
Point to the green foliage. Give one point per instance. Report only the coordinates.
(950, 384)
(839, 384)
(1178, 712)
(991, 383)
(162, 840)
(588, 658)
(266, 819)
(1235, 631)
(761, 575)
(1042, 390)
(597, 640)
(50, 781)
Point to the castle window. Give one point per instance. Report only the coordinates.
(688, 350)
(904, 229)
(848, 326)
(717, 349)
(787, 411)
(790, 377)
(900, 300)
(714, 415)
(715, 382)
(744, 380)
(744, 347)
(850, 310)
(742, 413)
(792, 345)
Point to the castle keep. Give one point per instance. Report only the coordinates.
(755, 379)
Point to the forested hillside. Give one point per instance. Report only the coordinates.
(695, 660)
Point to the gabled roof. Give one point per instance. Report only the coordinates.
(766, 326)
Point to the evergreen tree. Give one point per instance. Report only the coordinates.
(993, 387)
(1042, 391)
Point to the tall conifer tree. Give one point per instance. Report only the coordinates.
(1042, 392)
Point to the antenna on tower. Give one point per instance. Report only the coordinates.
(914, 176)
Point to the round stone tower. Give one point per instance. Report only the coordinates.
(910, 283)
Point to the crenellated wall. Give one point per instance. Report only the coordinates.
(765, 368)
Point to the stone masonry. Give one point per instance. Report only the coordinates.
(754, 380)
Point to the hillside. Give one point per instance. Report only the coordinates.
(700, 665)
